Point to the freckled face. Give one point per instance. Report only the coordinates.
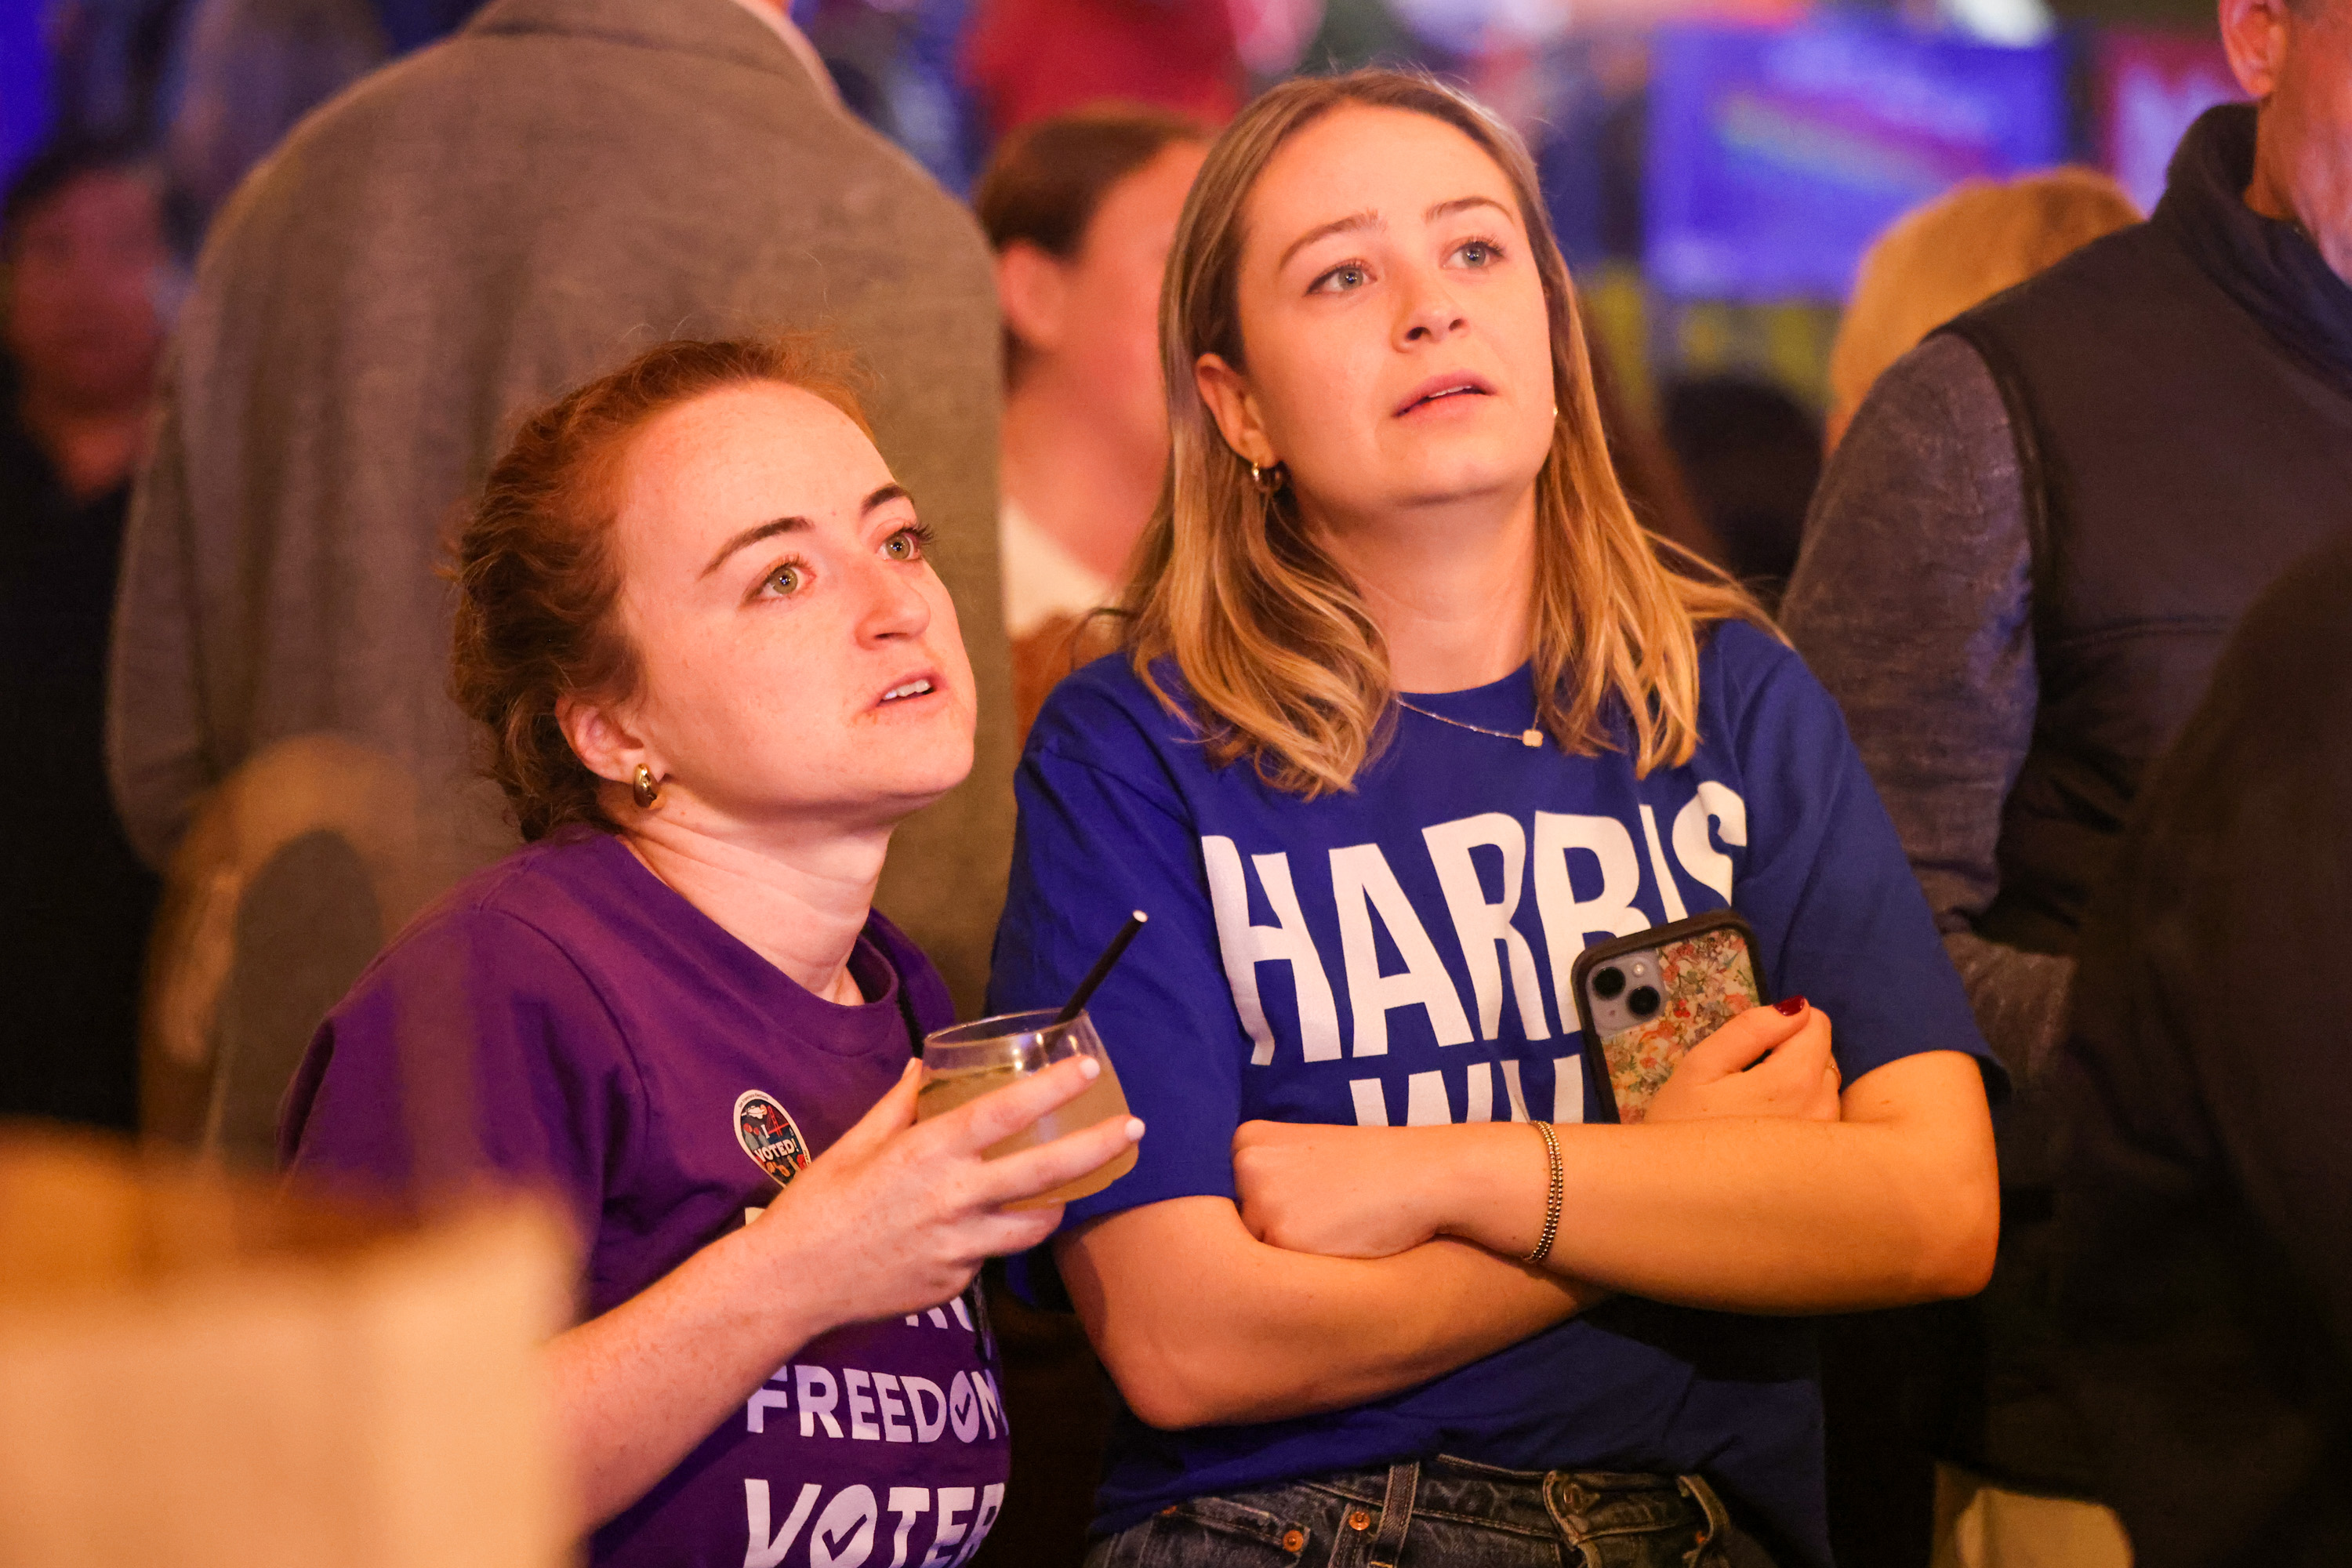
(799, 656)
(1398, 351)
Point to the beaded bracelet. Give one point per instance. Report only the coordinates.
(1553, 1199)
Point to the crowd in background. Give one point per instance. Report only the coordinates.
(2015, 546)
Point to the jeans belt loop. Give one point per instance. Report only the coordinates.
(1396, 1513)
(1718, 1518)
(1566, 1502)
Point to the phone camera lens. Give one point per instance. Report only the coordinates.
(1642, 1001)
(1609, 984)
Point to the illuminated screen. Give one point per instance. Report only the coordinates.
(23, 97)
(2149, 86)
(1777, 154)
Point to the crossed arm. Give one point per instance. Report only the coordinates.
(1332, 1283)
(1200, 1322)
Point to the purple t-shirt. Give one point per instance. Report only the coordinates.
(660, 1080)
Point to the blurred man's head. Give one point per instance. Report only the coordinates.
(250, 70)
(1081, 209)
(2294, 58)
(81, 237)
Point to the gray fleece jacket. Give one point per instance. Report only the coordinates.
(453, 241)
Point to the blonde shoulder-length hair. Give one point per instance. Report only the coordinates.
(1282, 664)
(1960, 249)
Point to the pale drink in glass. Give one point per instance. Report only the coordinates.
(961, 1064)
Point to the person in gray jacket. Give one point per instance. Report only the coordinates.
(2025, 559)
(454, 240)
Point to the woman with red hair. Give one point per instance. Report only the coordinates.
(714, 670)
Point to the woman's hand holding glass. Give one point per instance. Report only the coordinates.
(900, 1215)
(1372, 1192)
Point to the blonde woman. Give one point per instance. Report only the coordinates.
(1960, 251)
(1411, 710)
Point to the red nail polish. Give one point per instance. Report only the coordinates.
(1790, 1008)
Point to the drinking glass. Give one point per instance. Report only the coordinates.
(961, 1064)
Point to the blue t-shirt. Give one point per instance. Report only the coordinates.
(1400, 954)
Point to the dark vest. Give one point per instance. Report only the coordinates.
(2180, 395)
(2181, 398)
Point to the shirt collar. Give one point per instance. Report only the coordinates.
(2269, 268)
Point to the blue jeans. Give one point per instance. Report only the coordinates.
(1443, 1513)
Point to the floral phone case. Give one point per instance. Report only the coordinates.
(1650, 997)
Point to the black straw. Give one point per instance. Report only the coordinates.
(1100, 972)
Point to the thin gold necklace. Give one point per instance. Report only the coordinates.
(1530, 736)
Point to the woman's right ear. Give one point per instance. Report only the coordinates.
(603, 745)
(1234, 409)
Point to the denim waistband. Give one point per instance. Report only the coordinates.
(1444, 1512)
(1574, 1503)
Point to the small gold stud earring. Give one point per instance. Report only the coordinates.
(647, 789)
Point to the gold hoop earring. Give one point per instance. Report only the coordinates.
(646, 788)
(1269, 479)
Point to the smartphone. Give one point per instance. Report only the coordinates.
(1648, 999)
